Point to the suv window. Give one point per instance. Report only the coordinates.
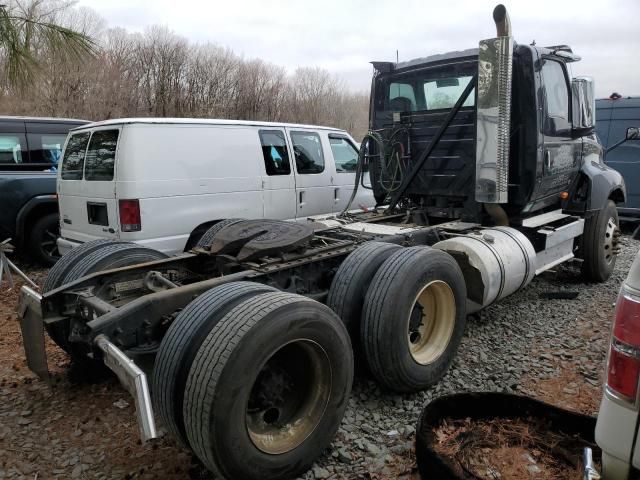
(274, 151)
(345, 154)
(101, 155)
(11, 148)
(308, 151)
(46, 148)
(73, 161)
(556, 92)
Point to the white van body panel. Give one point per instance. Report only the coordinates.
(186, 173)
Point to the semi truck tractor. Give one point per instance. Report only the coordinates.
(486, 171)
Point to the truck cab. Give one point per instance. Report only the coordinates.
(550, 150)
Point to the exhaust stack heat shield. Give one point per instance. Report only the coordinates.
(494, 113)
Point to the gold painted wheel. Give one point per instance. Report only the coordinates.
(431, 323)
(289, 397)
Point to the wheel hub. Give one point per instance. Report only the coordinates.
(431, 322)
(289, 397)
(611, 241)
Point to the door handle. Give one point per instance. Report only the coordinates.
(336, 197)
(301, 199)
(547, 159)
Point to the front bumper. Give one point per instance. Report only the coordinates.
(131, 376)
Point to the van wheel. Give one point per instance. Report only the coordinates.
(101, 257)
(182, 341)
(414, 317)
(600, 243)
(207, 238)
(351, 281)
(43, 237)
(268, 388)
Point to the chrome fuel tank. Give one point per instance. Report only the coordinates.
(496, 262)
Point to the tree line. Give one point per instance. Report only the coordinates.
(159, 73)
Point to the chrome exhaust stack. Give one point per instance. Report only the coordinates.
(493, 109)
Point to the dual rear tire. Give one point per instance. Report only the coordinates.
(406, 310)
(255, 381)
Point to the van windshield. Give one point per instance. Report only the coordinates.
(74, 153)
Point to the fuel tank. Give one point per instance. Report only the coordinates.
(495, 261)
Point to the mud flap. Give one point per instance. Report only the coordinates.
(134, 381)
(30, 313)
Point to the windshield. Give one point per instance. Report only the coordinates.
(424, 90)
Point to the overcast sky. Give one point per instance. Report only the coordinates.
(343, 36)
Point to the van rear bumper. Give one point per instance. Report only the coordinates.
(65, 246)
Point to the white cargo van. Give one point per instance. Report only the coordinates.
(163, 182)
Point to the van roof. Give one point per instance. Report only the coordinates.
(200, 121)
(43, 119)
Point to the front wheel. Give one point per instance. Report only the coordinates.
(600, 243)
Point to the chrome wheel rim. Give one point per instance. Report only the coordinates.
(289, 397)
(610, 241)
(431, 322)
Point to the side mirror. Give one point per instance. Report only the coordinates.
(633, 133)
(583, 104)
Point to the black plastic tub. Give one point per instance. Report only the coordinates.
(487, 406)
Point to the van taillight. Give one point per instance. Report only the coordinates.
(623, 367)
(130, 216)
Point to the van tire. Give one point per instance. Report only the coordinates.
(42, 239)
(272, 353)
(207, 238)
(57, 273)
(93, 259)
(400, 356)
(599, 241)
(351, 281)
(182, 341)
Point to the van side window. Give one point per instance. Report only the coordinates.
(101, 155)
(11, 148)
(345, 154)
(556, 93)
(46, 148)
(73, 160)
(274, 151)
(308, 151)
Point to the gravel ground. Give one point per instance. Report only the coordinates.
(550, 349)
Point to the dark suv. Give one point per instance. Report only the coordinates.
(29, 152)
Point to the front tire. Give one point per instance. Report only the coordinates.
(599, 243)
(268, 388)
(414, 317)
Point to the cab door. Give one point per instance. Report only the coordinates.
(561, 153)
(314, 181)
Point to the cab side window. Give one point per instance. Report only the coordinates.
(308, 151)
(275, 153)
(556, 91)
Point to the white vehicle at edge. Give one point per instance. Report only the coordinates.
(162, 182)
(618, 419)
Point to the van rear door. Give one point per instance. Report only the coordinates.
(86, 187)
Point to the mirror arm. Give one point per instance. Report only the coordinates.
(615, 145)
